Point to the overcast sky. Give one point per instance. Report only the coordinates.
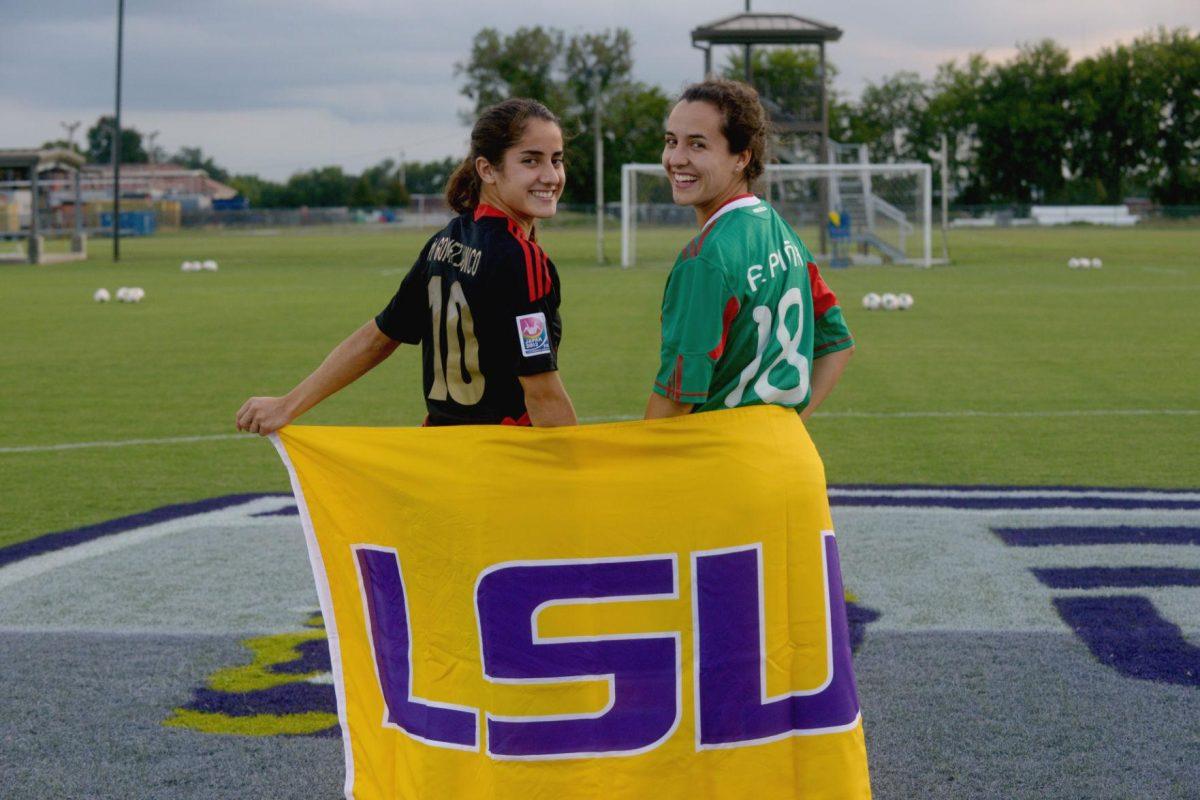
(275, 86)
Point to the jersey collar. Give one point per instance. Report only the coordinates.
(484, 210)
(734, 203)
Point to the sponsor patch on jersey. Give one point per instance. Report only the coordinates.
(534, 336)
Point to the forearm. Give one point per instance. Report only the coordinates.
(659, 407)
(547, 401)
(827, 370)
(360, 352)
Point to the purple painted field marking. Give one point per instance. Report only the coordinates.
(286, 511)
(1127, 633)
(50, 542)
(1124, 632)
(1071, 535)
(1115, 577)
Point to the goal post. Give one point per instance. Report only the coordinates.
(884, 212)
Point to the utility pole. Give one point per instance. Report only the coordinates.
(746, 56)
(599, 131)
(150, 137)
(403, 173)
(116, 140)
(70, 128)
(945, 196)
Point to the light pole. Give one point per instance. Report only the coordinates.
(150, 152)
(599, 132)
(70, 128)
(116, 140)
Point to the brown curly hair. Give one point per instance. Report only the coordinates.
(745, 124)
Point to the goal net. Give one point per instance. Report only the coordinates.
(845, 213)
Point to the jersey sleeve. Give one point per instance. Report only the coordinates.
(698, 306)
(531, 313)
(830, 333)
(404, 318)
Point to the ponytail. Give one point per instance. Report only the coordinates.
(497, 129)
(463, 186)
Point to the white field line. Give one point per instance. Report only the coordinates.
(36, 565)
(1096, 412)
(45, 448)
(1081, 412)
(1035, 494)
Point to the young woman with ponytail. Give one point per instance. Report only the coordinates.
(482, 298)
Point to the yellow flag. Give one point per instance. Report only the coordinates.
(631, 610)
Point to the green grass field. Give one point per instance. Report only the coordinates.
(1011, 369)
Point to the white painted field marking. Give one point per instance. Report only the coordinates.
(1095, 412)
(1089, 412)
(44, 448)
(1028, 494)
(36, 565)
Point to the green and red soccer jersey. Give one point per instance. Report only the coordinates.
(744, 314)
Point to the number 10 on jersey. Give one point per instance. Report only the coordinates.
(456, 372)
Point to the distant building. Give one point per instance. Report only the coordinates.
(193, 189)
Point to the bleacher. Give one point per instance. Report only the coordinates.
(1096, 215)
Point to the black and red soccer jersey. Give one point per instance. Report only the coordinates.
(482, 299)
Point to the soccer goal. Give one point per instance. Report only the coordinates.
(846, 213)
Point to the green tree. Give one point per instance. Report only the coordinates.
(428, 177)
(61, 144)
(259, 192)
(891, 117)
(562, 72)
(953, 110)
(1170, 62)
(100, 137)
(1023, 123)
(363, 194)
(379, 185)
(194, 158)
(321, 187)
(526, 63)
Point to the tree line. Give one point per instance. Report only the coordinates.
(1037, 128)
(1033, 128)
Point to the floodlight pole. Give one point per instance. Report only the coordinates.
(70, 128)
(945, 154)
(746, 56)
(116, 140)
(599, 132)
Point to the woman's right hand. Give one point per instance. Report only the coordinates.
(263, 415)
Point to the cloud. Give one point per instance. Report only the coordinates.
(277, 85)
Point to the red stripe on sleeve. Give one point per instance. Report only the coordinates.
(731, 310)
(823, 297)
(529, 279)
(542, 272)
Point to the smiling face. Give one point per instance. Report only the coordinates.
(703, 173)
(527, 183)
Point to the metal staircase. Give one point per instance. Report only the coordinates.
(850, 193)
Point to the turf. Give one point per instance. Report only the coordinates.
(1046, 354)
